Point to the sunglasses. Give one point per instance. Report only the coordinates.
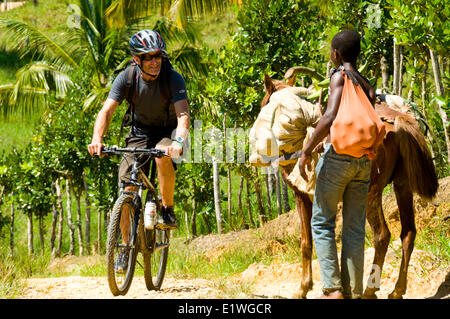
(149, 57)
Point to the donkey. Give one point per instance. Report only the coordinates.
(402, 159)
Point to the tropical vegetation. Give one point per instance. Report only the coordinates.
(56, 81)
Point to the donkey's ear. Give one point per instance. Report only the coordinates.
(291, 81)
(268, 84)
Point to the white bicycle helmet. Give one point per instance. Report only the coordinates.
(146, 41)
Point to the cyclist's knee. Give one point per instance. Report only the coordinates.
(164, 163)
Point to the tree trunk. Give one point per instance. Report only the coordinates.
(384, 73)
(240, 210)
(441, 93)
(106, 220)
(54, 222)
(262, 213)
(30, 234)
(413, 83)
(229, 196)
(278, 191)
(228, 174)
(268, 192)
(87, 217)
(396, 74)
(99, 232)
(249, 205)
(424, 89)
(193, 218)
(186, 221)
(400, 71)
(69, 216)
(11, 232)
(41, 233)
(77, 194)
(57, 252)
(217, 200)
(206, 221)
(285, 194)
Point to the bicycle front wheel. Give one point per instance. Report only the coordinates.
(155, 261)
(121, 249)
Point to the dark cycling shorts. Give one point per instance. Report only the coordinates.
(158, 138)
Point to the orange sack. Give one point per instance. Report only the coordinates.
(357, 130)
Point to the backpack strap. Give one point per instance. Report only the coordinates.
(130, 96)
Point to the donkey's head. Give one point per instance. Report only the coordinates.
(273, 86)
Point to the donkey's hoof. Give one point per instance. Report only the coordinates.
(300, 294)
(395, 295)
(369, 293)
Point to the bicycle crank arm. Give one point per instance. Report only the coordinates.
(161, 246)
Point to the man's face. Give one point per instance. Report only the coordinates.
(151, 62)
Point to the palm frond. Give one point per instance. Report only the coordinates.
(121, 12)
(25, 38)
(41, 74)
(173, 35)
(184, 11)
(96, 98)
(190, 61)
(28, 95)
(30, 92)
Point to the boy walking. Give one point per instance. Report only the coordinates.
(343, 172)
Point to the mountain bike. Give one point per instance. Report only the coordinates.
(153, 244)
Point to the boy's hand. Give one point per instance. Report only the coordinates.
(372, 154)
(305, 160)
(319, 148)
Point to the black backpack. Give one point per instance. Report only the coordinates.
(130, 91)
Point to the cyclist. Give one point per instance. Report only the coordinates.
(157, 121)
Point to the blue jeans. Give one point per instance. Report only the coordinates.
(341, 177)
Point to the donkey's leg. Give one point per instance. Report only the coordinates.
(404, 198)
(381, 238)
(304, 208)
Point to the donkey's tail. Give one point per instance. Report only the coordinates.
(416, 157)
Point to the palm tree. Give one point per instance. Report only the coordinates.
(179, 12)
(100, 42)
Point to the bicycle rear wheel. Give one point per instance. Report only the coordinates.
(123, 212)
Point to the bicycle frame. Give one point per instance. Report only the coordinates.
(138, 179)
(138, 175)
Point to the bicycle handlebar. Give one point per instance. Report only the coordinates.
(153, 152)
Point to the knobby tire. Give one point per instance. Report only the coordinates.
(114, 236)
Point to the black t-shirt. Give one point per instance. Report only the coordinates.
(150, 109)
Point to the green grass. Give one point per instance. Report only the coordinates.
(15, 134)
(48, 16)
(435, 239)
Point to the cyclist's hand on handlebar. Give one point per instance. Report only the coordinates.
(95, 148)
(174, 150)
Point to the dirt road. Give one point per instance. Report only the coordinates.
(277, 280)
